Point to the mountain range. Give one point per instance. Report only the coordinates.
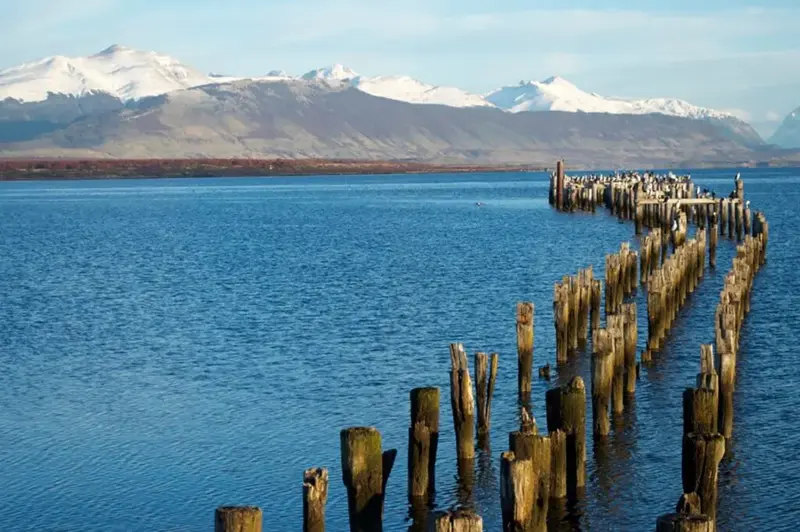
(122, 101)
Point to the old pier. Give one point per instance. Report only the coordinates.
(538, 470)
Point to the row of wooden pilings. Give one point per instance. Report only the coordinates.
(708, 407)
(655, 202)
(668, 288)
(539, 468)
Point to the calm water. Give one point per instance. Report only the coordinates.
(171, 346)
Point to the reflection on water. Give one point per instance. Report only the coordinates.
(170, 346)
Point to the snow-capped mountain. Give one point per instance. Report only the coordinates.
(407, 89)
(558, 94)
(123, 72)
(130, 74)
(335, 72)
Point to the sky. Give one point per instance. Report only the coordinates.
(736, 55)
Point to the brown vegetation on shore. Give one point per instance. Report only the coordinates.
(22, 169)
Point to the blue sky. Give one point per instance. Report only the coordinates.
(735, 55)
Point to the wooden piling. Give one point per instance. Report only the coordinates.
(700, 468)
(631, 337)
(595, 304)
(616, 329)
(423, 443)
(525, 338)
(699, 411)
(566, 411)
(238, 519)
(461, 520)
(365, 471)
(712, 243)
(315, 496)
(462, 402)
(558, 464)
(517, 492)
(602, 377)
(561, 317)
(526, 445)
(485, 376)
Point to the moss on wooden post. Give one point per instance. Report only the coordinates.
(238, 519)
(365, 471)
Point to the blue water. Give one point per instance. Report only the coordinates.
(169, 346)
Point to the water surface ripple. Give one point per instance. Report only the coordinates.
(170, 346)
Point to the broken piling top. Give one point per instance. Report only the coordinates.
(461, 520)
(462, 402)
(315, 496)
(365, 471)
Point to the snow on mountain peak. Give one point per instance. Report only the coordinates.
(131, 74)
(558, 94)
(122, 72)
(335, 72)
(408, 89)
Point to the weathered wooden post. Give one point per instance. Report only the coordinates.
(631, 337)
(699, 411)
(616, 329)
(561, 317)
(595, 304)
(526, 445)
(560, 185)
(315, 496)
(524, 348)
(558, 464)
(700, 467)
(485, 376)
(602, 377)
(423, 436)
(365, 471)
(585, 278)
(517, 492)
(566, 411)
(739, 220)
(456, 521)
(712, 243)
(237, 519)
(462, 402)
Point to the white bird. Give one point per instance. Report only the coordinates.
(674, 225)
(738, 176)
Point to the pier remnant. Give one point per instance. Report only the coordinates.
(315, 497)
(365, 471)
(238, 519)
(462, 403)
(525, 338)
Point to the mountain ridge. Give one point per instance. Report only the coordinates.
(131, 74)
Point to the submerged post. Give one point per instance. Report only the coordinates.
(456, 521)
(524, 347)
(237, 519)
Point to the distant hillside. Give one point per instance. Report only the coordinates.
(320, 119)
(788, 134)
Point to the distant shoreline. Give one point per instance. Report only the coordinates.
(81, 169)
